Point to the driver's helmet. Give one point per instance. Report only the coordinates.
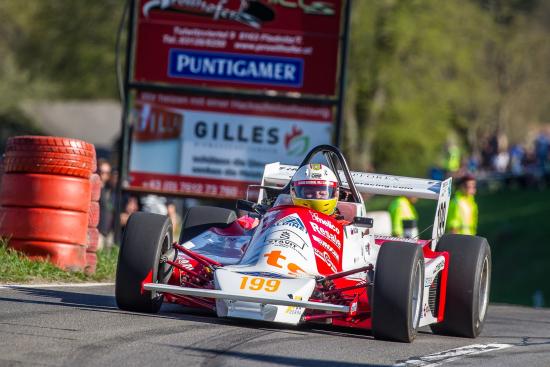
(315, 186)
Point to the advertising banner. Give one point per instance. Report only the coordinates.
(283, 45)
(213, 146)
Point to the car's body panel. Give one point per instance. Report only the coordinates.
(289, 248)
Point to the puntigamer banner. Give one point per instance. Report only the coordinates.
(283, 45)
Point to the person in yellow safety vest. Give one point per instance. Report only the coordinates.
(463, 215)
(401, 208)
(453, 158)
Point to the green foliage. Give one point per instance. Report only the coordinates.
(67, 47)
(15, 267)
(421, 71)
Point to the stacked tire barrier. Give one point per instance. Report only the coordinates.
(45, 198)
(92, 237)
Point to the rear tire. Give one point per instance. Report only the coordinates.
(468, 285)
(146, 237)
(398, 291)
(201, 218)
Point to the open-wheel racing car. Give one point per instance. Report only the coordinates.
(300, 265)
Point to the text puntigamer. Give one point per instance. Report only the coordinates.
(239, 68)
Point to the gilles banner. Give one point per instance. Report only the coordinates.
(282, 45)
(213, 146)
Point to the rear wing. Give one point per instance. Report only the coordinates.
(276, 174)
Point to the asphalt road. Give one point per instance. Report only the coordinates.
(81, 326)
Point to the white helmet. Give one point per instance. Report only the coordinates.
(315, 186)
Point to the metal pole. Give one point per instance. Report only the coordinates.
(343, 74)
(125, 138)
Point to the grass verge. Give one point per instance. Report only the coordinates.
(17, 268)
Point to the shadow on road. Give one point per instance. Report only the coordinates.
(209, 317)
(54, 297)
(277, 359)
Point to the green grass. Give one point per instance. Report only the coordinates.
(16, 268)
(517, 226)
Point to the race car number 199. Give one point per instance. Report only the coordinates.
(255, 284)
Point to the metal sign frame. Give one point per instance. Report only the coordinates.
(132, 86)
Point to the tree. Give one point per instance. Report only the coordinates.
(416, 72)
(67, 44)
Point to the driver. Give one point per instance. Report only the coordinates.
(315, 186)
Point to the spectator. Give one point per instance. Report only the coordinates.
(542, 147)
(517, 154)
(452, 160)
(463, 213)
(154, 204)
(106, 207)
(175, 218)
(402, 209)
(500, 162)
(132, 206)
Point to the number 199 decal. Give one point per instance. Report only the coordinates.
(256, 284)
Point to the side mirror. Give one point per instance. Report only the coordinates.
(247, 206)
(363, 222)
(250, 206)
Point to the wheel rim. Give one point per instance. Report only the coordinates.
(415, 301)
(158, 273)
(483, 297)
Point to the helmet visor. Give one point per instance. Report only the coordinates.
(322, 192)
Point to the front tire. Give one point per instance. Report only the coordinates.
(468, 285)
(398, 291)
(146, 237)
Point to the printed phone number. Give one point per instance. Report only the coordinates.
(192, 187)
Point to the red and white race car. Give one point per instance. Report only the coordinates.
(299, 265)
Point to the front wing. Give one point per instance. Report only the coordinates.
(214, 293)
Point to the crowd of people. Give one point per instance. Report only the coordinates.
(499, 163)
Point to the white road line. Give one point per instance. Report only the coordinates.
(439, 358)
(54, 285)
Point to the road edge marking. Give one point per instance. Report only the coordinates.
(439, 358)
(52, 285)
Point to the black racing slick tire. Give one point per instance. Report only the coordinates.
(398, 290)
(201, 218)
(468, 285)
(145, 238)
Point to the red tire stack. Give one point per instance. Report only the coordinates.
(92, 237)
(45, 198)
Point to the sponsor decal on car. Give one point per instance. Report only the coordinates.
(438, 267)
(326, 222)
(327, 234)
(393, 238)
(287, 239)
(291, 310)
(292, 221)
(323, 255)
(276, 259)
(326, 246)
(264, 274)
